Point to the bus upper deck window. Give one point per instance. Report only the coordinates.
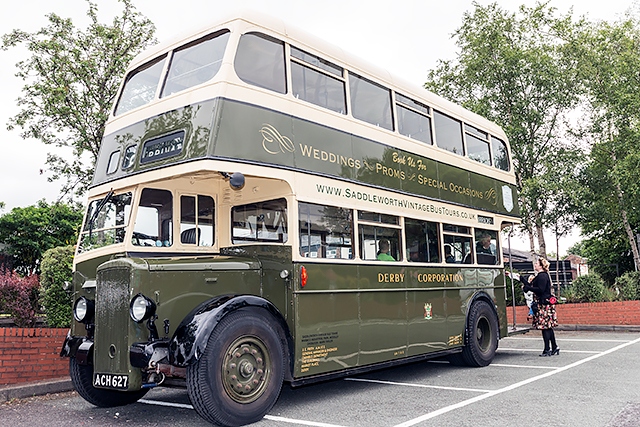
(448, 133)
(500, 154)
(323, 85)
(140, 86)
(260, 61)
(370, 102)
(477, 145)
(195, 63)
(114, 159)
(414, 119)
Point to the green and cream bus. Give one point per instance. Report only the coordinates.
(266, 209)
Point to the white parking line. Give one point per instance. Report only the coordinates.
(303, 422)
(501, 365)
(485, 393)
(364, 380)
(538, 351)
(268, 417)
(562, 339)
(511, 387)
(161, 403)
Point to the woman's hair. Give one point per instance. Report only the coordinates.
(544, 264)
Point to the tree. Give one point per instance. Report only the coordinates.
(608, 59)
(29, 232)
(57, 268)
(72, 78)
(513, 69)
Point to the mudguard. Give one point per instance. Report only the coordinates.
(480, 296)
(191, 336)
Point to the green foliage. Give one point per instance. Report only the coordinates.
(71, 80)
(57, 268)
(609, 254)
(520, 300)
(629, 286)
(569, 293)
(607, 62)
(589, 288)
(29, 232)
(19, 298)
(513, 69)
(577, 249)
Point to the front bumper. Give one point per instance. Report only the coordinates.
(79, 347)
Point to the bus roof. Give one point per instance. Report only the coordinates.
(302, 39)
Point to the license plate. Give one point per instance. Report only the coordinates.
(119, 382)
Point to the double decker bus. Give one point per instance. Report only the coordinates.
(266, 209)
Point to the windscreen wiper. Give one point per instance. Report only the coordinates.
(99, 207)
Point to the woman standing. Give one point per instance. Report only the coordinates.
(545, 318)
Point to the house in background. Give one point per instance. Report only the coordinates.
(578, 265)
(562, 272)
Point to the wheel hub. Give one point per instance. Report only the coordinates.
(244, 369)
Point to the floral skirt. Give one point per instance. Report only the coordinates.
(546, 317)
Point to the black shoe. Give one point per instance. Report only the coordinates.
(545, 353)
(555, 352)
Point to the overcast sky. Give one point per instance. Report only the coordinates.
(406, 37)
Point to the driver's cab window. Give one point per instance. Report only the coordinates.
(153, 225)
(196, 220)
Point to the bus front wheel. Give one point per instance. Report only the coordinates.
(82, 379)
(238, 378)
(481, 341)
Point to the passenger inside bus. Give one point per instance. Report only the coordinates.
(485, 249)
(383, 251)
(484, 244)
(448, 255)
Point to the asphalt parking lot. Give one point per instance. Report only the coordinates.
(595, 381)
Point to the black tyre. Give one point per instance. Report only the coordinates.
(82, 379)
(238, 378)
(481, 340)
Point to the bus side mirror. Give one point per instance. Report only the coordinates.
(236, 181)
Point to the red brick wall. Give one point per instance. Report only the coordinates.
(31, 354)
(592, 313)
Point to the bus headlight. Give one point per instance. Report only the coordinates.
(141, 308)
(83, 310)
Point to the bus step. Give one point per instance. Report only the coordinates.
(518, 330)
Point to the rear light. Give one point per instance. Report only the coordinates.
(303, 276)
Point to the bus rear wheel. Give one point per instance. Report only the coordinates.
(238, 378)
(481, 341)
(82, 379)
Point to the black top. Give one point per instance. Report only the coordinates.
(540, 285)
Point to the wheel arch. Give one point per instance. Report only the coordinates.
(190, 339)
(480, 296)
